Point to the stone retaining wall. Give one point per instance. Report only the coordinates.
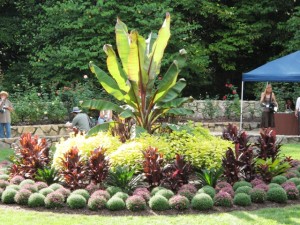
(40, 130)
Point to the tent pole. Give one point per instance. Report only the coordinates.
(242, 97)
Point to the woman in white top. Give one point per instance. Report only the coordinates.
(105, 116)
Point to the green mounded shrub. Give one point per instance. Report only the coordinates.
(46, 191)
(8, 196)
(243, 189)
(54, 200)
(295, 180)
(16, 179)
(40, 185)
(136, 203)
(242, 199)
(115, 204)
(121, 195)
(159, 203)
(274, 185)
(258, 195)
(55, 186)
(156, 189)
(102, 193)
(26, 181)
(223, 199)
(166, 193)
(202, 201)
(241, 184)
(186, 193)
(277, 195)
(179, 202)
(4, 184)
(36, 200)
(13, 186)
(208, 190)
(4, 177)
(30, 187)
(279, 179)
(97, 202)
(1, 191)
(112, 190)
(295, 171)
(76, 201)
(84, 193)
(22, 197)
(298, 187)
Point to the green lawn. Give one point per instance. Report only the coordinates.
(292, 150)
(5, 153)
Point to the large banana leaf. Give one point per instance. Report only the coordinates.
(107, 82)
(100, 127)
(174, 91)
(102, 105)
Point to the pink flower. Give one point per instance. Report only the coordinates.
(234, 92)
(229, 85)
(224, 97)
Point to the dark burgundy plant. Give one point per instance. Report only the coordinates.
(73, 169)
(177, 173)
(122, 128)
(152, 165)
(31, 155)
(98, 165)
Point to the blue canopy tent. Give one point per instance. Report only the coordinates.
(284, 69)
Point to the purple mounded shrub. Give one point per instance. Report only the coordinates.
(144, 194)
(290, 175)
(3, 184)
(91, 188)
(64, 191)
(223, 199)
(136, 203)
(16, 179)
(102, 193)
(186, 193)
(54, 200)
(262, 186)
(40, 185)
(292, 192)
(221, 185)
(189, 187)
(229, 190)
(256, 182)
(22, 196)
(288, 183)
(179, 202)
(30, 187)
(97, 202)
(141, 189)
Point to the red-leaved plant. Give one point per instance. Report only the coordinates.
(74, 169)
(31, 155)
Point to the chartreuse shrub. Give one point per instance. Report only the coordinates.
(202, 201)
(258, 195)
(242, 199)
(274, 185)
(115, 204)
(241, 184)
(76, 201)
(156, 189)
(136, 203)
(27, 181)
(46, 191)
(121, 195)
(207, 190)
(36, 200)
(277, 195)
(4, 177)
(243, 189)
(166, 193)
(112, 190)
(279, 179)
(295, 180)
(84, 193)
(8, 196)
(30, 187)
(179, 202)
(97, 202)
(55, 186)
(1, 191)
(159, 203)
(22, 197)
(13, 186)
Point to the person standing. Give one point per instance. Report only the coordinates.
(80, 121)
(105, 116)
(297, 113)
(6, 108)
(267, 97)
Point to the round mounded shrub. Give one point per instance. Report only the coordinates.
(54, 200)
(262, 186)
(13, 186)
(55, 186)
(159, 203)
(186, 193)
(136, 203)
(102, 193)
(4, 177)
(36, 200)
(295, 180)
(143, 193)
(179, 202)
(258, 195)
(241, 184)
(84, 193)
(22, 197)
(112, 190)
(242, 199)
(166, 193)
(208, 190)
(97, 202)
(40, 185)
(64, 191)
(46, 191)
(221, 185)
(26, 181)
(189, 187)
(290, 175)
(76, 201)
(279, 179)
(277, 195)
(4, 184)
(91, 188)
(223, 199)
(121, 195)
(295, 171)
(17, 179)
(156, 189)
(288, 183)
(274, 185)
(1, 191)
(243, 189)
(8, 196)
(115, 204)
(30, 187)
(256, 182)
(202, 201)
(229, 190)
(292, 192)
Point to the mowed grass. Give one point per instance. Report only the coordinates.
(292, 150)
(5, 153)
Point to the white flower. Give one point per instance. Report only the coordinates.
(45, 112)
(85, 76)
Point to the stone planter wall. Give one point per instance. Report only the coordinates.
(40, 130)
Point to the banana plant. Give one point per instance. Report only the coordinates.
(132, 79)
